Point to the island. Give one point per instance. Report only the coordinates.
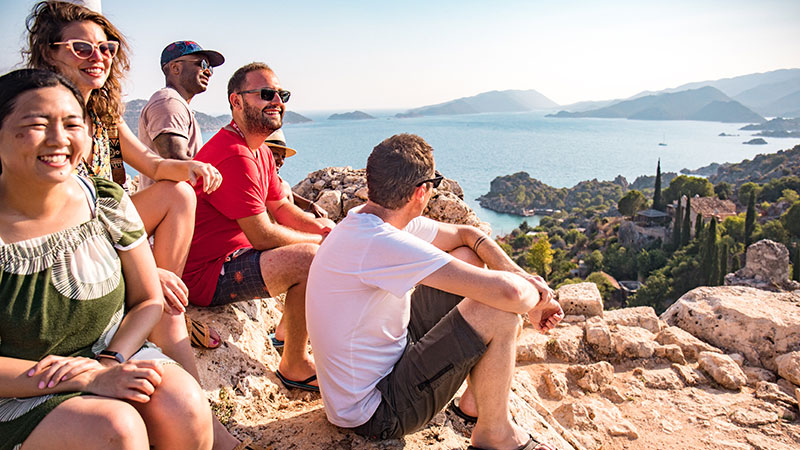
(355, 115)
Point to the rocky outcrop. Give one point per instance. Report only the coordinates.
(339, 189)
(766, 267)
(758, 324)
(580, 299)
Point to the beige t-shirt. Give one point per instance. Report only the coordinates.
(168, 112)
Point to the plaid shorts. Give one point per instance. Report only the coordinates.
(240, 278)
(442, 349)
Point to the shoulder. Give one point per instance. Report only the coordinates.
(166, 98)
(108, 189)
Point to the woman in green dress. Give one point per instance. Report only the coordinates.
(90, 51)
(79, 293)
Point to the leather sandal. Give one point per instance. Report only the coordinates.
(201, 335)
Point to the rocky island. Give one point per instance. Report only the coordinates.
(354, 115)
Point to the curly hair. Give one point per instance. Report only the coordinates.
(394, 168)
(45, 25)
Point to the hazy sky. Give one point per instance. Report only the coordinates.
(345, 55)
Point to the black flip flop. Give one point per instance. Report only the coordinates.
(304, 385)
(464, 416)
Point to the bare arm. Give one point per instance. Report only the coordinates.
(290, 215)
(502, 290)
(172, 146)
(451, 236)
(154, 166)
(263, 234)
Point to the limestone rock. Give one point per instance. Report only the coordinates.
(599, 336)
(556, 384)
(580, 298)
(566, 344)
(752, 416)
(671, 352)
(592, 377)
(766, 267)
(532, 347)
(757, 374)
(722, 369)
(634, 342)
(738, 358)
(641, 316)
(331, 201)
(789, 366)
(447, 207)
(758, 324)
(690, 375)
(797, 395)
(689, 345)
(773, 393)
(761, 442)
(665, 379)
(613, 394)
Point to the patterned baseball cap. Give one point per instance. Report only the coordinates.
(181, 48)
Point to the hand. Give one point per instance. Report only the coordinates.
(53, 369)
(545, 293)
(545, 315)
(176, 294)
(212, 179)
(326, 225)
(318, 211)
(133, 380)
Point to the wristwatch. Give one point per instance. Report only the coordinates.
(108, 354)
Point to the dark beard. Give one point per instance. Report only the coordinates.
(256, 122)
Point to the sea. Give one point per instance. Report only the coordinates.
(474, 149)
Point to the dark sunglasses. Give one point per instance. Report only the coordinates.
(84, 49)
(203, 64)
(267, 94)
(435, 181)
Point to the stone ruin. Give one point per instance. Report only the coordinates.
(766, 267)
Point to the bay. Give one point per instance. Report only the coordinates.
(474, 149)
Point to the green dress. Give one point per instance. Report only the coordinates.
(64, 294)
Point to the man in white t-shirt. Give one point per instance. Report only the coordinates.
(397, 323)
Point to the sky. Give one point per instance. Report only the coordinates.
(371, 55)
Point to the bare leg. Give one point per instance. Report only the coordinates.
(177, 415)
(89, 422)
(285, 269)
(467, 403)
(490, 379)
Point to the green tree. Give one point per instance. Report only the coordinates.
(658, 201)
(540, 256)
(698, 226)
(789, 195)
(723, 190)
(791, 220)
(723, 263)
(686, 228)
(773, 230)
(631, 203)
(603, 285)
(594, 261)
(745, 190)
(688, 186)
(750, 218)
(710, 254)
(734, 227)
(676, 227)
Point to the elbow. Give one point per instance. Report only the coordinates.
(519, 294)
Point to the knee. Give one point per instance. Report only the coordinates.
(185, 196)
(488, 320)
(120, 426)
(180, 397)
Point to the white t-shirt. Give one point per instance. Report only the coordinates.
(358, 305)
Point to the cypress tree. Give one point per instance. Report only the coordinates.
(710, 254)
(750, 219)
(658, 202)
(698, 226)
(796, 263)
(723, 263)
(686, 228)
(676, 227)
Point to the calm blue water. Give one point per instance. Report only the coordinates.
(474, 149)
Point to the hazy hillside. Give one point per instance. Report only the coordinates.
(355, 115)
(761, 169)
(494, 101)
(738, 85)
(706, 103)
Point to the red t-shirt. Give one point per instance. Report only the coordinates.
(248, 182)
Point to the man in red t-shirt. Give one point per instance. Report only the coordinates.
(237, 252)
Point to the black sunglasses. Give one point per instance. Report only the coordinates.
(267, 94)
(435, 181)
(202, 64)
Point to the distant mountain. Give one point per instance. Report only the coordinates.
(761, 169)
(775, 125)
(486, 102)
(706, 103)
(355, 115)
(737, 85)
(208, 124)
